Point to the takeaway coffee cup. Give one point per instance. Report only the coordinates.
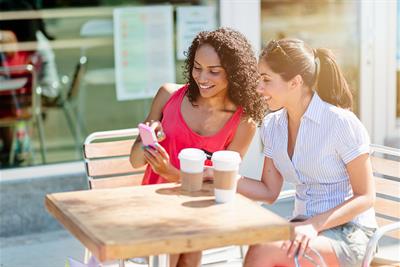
(192, 166)
(226, 167)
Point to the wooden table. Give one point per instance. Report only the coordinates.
(128, 222)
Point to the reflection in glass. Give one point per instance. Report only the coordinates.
(318, 24)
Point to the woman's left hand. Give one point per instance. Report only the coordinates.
(158, 159)
(303, 233)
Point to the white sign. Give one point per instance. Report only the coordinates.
(191, 21)
(143, 50)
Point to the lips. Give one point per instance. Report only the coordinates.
(205, 87)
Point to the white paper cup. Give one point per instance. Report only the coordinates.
(192, 166)
(226, 165)
(224, 196)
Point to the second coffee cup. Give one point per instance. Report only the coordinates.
(192, 166)
(226, 166)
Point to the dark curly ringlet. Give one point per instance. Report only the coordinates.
(238, 60)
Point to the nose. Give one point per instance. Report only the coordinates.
(202, 77)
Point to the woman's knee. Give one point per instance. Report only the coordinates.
(257, 255)
(190, 259)
(269, 254)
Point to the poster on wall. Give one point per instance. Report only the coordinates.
(143, 50)
(190, 21)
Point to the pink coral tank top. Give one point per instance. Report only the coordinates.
(180, 136)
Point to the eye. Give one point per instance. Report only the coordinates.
(196, 68)
(214, 71)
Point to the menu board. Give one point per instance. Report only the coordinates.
(190, 21)
(143, 50)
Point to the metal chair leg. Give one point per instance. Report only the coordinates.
(40, 128)
(81, 123)
(87, 256)
(161, 260)
(75, 130)
(243, 251)
(13, 145)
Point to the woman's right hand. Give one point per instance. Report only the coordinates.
(159, 161)
(158, 129)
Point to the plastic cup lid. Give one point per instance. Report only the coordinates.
(227, 156)
(193, 154)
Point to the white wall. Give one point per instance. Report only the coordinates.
(244, 16)
(378, 70)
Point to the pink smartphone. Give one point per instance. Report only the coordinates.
(147, 135)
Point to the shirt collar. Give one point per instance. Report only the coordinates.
(314, 111)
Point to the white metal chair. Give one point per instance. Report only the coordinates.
(26, 105)
(107, 165)
(106, 157)
(386, 167)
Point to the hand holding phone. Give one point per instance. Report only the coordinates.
(147, 135)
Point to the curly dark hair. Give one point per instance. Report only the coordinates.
(238, 60)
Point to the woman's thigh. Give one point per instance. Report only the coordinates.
(189, 259)
(275, 254)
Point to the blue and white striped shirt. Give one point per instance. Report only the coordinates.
(328, 138)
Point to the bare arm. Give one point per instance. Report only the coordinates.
(164, 93)
(266, 190)
(361, 180)
(243, 136)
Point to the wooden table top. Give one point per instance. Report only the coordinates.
(128, 222)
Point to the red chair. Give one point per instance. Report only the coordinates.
(20, 101)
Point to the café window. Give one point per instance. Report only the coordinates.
(81, 94)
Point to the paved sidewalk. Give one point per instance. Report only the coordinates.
(49, 249)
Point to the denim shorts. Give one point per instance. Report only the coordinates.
(349, 241)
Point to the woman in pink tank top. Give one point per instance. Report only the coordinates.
(217, 109)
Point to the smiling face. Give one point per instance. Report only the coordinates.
(272, 87)
(209, 75)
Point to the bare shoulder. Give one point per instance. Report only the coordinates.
(170, 88)
(165, 92)
(244, 134)
(247, 124)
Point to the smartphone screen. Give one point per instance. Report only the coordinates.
(147, 135)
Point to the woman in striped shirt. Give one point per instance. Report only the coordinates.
(313, 140)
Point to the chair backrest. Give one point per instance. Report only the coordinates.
(106, 157)
(77, 78)
(386, 167)
(18, 91)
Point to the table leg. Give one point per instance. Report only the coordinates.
(161, 260)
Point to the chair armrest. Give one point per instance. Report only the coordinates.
(374, 241)
(385, 149)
